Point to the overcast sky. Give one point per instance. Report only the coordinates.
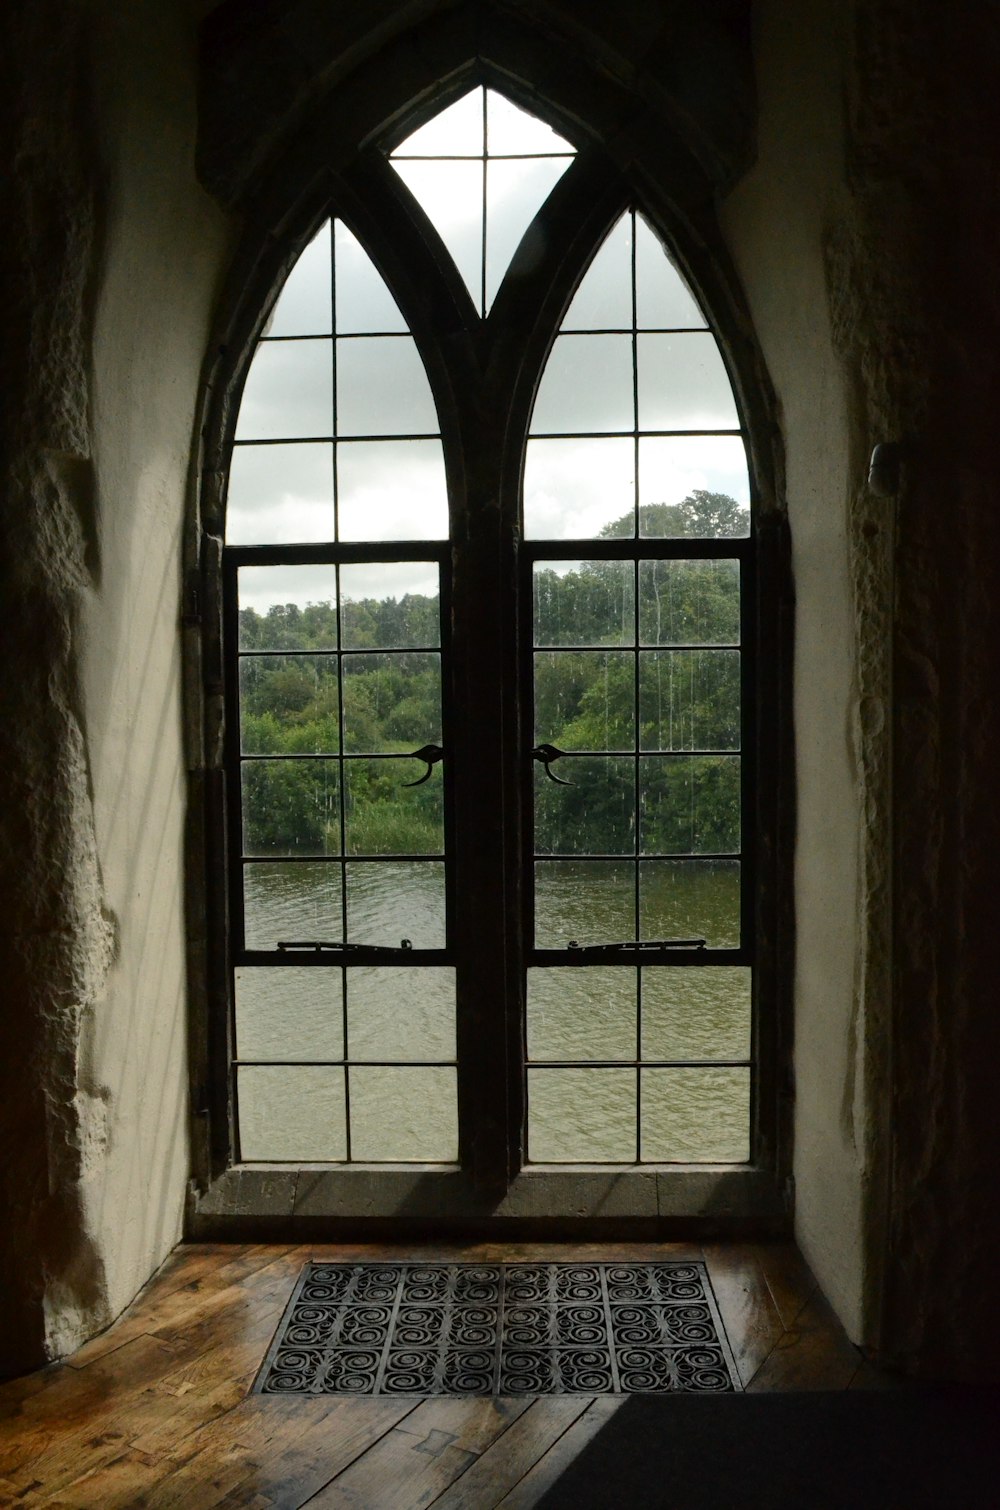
(262, 586)
(395, 489)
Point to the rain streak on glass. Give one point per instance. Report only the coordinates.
(635, 435)
(634, 429)
(339, 678)
(337, 436)
(480, 170)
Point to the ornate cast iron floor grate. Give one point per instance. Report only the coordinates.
(499, 1329)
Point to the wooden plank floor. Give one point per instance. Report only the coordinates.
(155, 1411)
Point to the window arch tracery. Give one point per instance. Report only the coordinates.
(337, 462)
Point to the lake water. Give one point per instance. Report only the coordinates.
(402, 1109)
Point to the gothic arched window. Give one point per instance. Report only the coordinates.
(488, 605)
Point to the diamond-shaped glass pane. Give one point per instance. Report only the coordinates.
(456, 131)
(513, 132)
(481, 170)
(516, 189)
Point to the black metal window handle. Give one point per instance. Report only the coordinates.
(323, 946)
(430, 755)
(547, 754)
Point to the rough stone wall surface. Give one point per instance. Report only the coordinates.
(59, 935)
(880, 334)
(918, 309)
(876, 301)
(96, 436)
(165, 248)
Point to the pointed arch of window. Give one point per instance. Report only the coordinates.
(601, 412)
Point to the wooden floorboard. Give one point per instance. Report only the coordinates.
(748, 1312)
(547, 1471)
(155, 1414)
(420, 1458)
(504, 1464)
(812, 1354)
(286, 1455)
(789, 1281)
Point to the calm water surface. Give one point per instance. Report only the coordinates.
(405, 1110)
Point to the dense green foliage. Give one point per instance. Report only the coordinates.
(585, 701)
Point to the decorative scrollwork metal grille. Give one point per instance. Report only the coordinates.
(500, 1329)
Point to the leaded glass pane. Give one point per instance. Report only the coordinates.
(683, 384)
(295, 1013)
(696, 1116)
(291, 807)
(578, 488)
(663, 299)
(583, 901)
(690, 899)
(382, 388)
(689, 602)
(288, 392)
(390, 900)
(593, 816)
(397, 1013)
(285, 902)
(291, 1113)
(584, 603)
(289, 704)
(603, 300)
(303, 306)
(581, 1116)
(696, 1014)
(516, 189)
(582, 1014)
(386, 816)
(586, 386)
(364, 304)
(280, 494)
(392, 490)
(404, 1114)
(287, 608)
(391, 702)
(585, 700)
(480, 171)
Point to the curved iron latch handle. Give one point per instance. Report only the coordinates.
(340, 947)
(430, 755)
(547, 754)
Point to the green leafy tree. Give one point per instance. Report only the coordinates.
(701, 514)
(585, 702)
(688, 698)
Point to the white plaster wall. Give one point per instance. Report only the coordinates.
(160, 266)
(775, 222)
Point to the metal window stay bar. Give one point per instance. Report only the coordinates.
(324, 946)
(635, 946)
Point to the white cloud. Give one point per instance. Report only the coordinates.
(572, 488)
(260, 587)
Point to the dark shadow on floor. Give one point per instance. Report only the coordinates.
(864, 1450)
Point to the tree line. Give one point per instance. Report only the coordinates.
(388, 702)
